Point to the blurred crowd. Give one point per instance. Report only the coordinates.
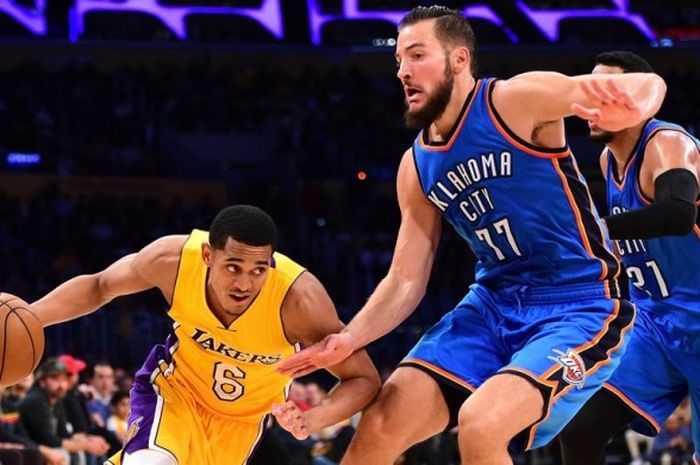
(72, 413)
(332, 139)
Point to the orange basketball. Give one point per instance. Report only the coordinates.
(21, 339)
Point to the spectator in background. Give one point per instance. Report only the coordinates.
(297, 394)
(101, 385)
(43, 416)
(15, 393)
(672, 445)
(124, 381)
(634, 440)
(117, 422)
(16, 449)
(314, 393)
(76, 405)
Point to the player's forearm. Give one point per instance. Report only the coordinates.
(74, 298)
(347, 398)
(390, 304)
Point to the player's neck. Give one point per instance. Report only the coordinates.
(622, 145)
(441, 127)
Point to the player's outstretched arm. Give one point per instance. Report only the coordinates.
(154, 266)
(398, 294)
(612, 101)
(309, 315)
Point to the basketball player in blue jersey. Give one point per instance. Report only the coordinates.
(543, 327)
(652, 172)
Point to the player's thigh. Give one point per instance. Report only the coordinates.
(499, 409)
(409, 408)
(229, 442)
(162, 419)
(651, 379)
(568, 357)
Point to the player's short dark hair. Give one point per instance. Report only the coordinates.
(451, 27)
(627, 61)
(243, 223)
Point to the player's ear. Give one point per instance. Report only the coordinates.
(207, 253)
(460, 59)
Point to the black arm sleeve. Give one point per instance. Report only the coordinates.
(673, 213)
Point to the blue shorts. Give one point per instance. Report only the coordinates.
(567, 341)
(661, 367)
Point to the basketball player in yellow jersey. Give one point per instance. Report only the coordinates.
(238, 309)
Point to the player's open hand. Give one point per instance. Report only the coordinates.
(612, 108)
(291, 418)
(330, 351)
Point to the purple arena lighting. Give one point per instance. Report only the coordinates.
(269, 14)
(352, 11)
(31, 18)
(548, 20)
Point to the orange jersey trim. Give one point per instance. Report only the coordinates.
(637, 409)
(579, 221)
(458, 129)
(519, 145)
(440, 371)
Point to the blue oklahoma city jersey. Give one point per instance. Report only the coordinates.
(525, 211)
(663, 270)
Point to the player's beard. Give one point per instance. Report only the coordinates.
(436, 104)
(602, 137)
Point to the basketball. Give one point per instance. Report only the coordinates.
(21, 339)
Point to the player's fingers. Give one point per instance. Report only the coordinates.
(585, 113)
(292, 363)
(303, 371)
(621, 95)
(586, 88)
(603, 94)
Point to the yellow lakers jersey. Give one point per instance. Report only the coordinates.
(230, 371)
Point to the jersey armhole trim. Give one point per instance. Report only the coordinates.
(514, 139)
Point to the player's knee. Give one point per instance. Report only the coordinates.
(376, 420)
(479, 430)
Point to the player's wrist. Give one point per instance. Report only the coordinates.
(351, 338)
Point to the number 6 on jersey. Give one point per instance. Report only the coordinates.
(226, 385)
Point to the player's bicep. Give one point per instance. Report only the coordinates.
(421, 225)
(553, 92)
(153, 266)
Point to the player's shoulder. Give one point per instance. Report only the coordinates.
(162, 255)
(665, 142)
(167, 246)
(286, 268)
